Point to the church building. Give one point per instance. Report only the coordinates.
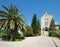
(45, 23)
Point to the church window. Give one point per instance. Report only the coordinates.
(46, 22)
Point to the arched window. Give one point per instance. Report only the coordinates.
(46, 22)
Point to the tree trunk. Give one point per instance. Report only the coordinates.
(13, 35)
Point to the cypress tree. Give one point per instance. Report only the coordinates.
(35, 25)
(38, 24)
(52, 25)
(38, 27)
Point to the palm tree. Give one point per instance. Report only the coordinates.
(11, 20)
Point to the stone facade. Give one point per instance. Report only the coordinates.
(45, 22)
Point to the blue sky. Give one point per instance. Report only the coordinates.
(29, 7)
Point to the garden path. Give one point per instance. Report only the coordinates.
(39, 41)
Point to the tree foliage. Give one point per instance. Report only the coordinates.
(35, 25)
(52, 25)
(38, 24)
(29, 31)
(12, 19)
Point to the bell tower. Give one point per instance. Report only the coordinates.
(45, 22)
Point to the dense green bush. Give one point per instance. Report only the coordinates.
(5, 35)
(18, 36)
(54, 33)
(28, 32)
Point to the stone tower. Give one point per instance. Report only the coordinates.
(45, 22)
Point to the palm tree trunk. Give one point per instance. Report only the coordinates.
(13, 35)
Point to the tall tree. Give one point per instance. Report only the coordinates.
(38, 24)
(35, 25)
(52, 25)
(12, 20)
(38, 28)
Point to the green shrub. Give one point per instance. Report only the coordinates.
(18, 36)
(5, 35)
(28, 32)
(54, 33)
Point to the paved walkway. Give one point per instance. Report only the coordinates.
(56, 40)
(40, 41)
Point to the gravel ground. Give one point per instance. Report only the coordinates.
(40, 41)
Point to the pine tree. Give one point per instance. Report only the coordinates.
(52, 25)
